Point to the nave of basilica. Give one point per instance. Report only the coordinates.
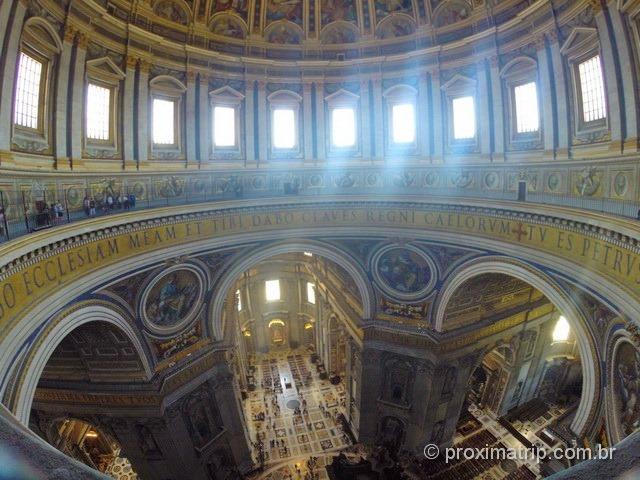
(319, 239)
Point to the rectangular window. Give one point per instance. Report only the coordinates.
(343, 127)
(27, 102)
(311, 293)
(224, 126)
(98, 112)
(464, 118)
(592, 89)
(284, 128)
(403, 123)
(163, 119)
(526, 98)
(272, 288)
(239, 300)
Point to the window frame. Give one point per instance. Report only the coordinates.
(581, 45)
(165, 87)
(310, 286)
(399, 95)
(521, 71)
(266, 290)
(457, 87)
(231, 98)
(285, 99)
(102, 72)
(42, 92)
(338, 100)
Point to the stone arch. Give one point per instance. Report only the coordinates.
(38, 23)
(520, 63)
(330, 252)
(59, 328)
(590, 398)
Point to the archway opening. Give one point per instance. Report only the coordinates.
(525, 389)
(95, 356)
(290, 317)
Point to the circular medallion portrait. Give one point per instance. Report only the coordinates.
(171, 300)
(404, 272)
(626, 383)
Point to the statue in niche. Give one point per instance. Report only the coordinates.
(146, 441)
(391, 433)
(627, 384)
(449, 381)
(437, 432)
(199, 420)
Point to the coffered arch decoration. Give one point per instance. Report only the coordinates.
(404, 272)
(171, 300)
(177, 11)
(590, 398)
(245, 260)
(228, 25)
(57, 329)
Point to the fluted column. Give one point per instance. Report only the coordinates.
(607, 53)
(128, 114)
(545, 97)
(378, 120)
(263, 123)
(249, 108)
(61, 109)
(8, 64)
(424, 140)
(77, 98)
(561, 100)
(630, 95)
(497, 154)
(437, 121)
(320, 123)
(142, 128)
(307, 122)
(484, 125)
(204, 120)
(365, 120)
(190, 121)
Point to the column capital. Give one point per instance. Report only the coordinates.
(131, 62)
(494, 61)
(434, 73)
(69, 33)
(596, 5)
(83, 40)
(145, 66)
(191, 76)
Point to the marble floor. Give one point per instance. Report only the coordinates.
(292, 415)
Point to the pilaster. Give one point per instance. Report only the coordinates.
(378, 119)
(263, 123)
(61, 112)
(128, 130)
(438, 118)
(307, 122)
(545, 98)
(249, 138)
(484, 123)
(424, 140)
(320, 124)
(365, 119)
(561, 100)
(497, 154)
(142, 128)
(191, 159)
(77, 98)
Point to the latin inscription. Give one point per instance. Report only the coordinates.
(31, 284)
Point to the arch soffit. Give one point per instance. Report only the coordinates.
(328, 251)
(61, 326)
(589, 353)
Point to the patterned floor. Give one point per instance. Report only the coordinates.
(292, 414)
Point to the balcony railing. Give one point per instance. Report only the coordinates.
(23, 212)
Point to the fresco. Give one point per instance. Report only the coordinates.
(171, 298)
(627, 387)
(404, 270)
(395, 27)
(284, 10)
(284, 34)
(171, 11)
(452, 13)
(339, 33)
(334, 10)
(235, 6)
(386, 7)
(228, 26)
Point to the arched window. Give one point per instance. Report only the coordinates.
(401, 118)
(520, 85)
(32, 101)
(167, 104)
(342, 123)
(284, 123)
